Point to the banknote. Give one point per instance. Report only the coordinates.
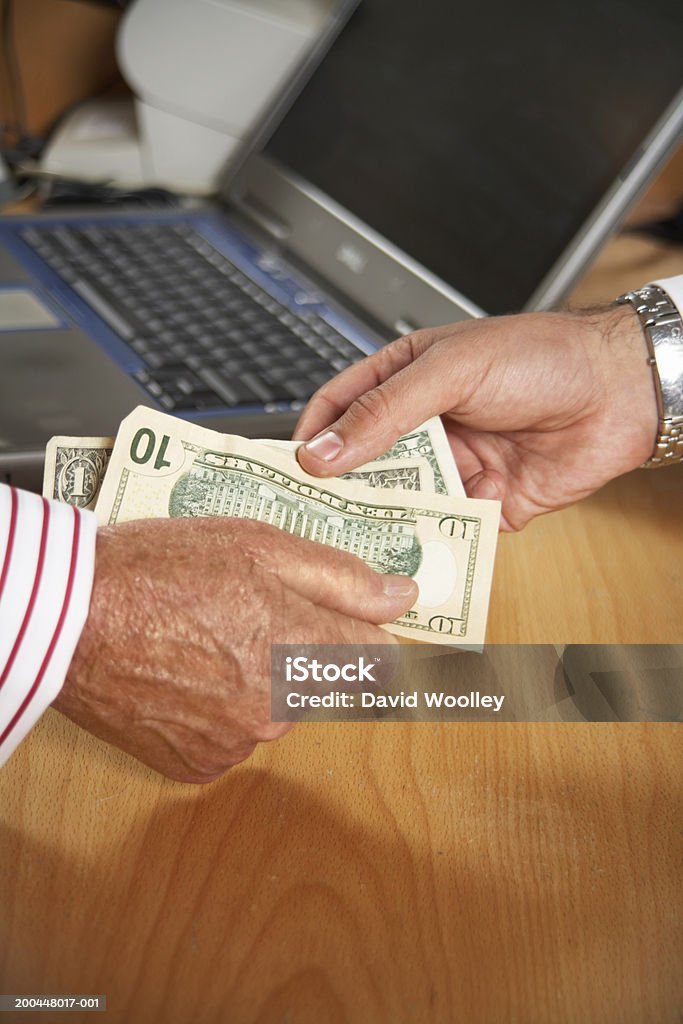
(164, 467)
(75, 468)
(414, 474)
(395, 474)
(427, 442)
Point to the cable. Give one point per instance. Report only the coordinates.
(66, 192)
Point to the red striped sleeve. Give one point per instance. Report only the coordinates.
(47, 555)
(73, 562)
(40, 565)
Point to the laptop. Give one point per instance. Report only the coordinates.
(443, 162)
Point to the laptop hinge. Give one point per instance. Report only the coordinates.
(263, 216)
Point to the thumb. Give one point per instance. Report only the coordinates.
(376, 419)
(340, 581)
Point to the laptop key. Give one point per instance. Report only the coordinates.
(274, 374)
(189, 384)
(217, 382)
(318, 378)
(258, 386)
(142, 345)
(199, 400)
(350, 351)
(103, 309)
(154, 389)
(155, 360)
(297, 388)
(67, 273)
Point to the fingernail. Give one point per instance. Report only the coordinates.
(399, 586)
(326, 446)
(484, 488)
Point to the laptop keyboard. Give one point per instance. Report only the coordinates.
(209, 337)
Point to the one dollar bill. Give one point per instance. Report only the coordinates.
(75, 468)
(164, 467)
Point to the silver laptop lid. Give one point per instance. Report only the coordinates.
(497, 145)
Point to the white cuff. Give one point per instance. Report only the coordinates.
(673, 286)
(47, 563)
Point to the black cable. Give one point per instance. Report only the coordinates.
(67, 192)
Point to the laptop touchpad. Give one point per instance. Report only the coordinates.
(58, 381)
(21, 309)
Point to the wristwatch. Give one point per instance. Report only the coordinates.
(663, 329)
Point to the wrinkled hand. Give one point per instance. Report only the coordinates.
(540, 409)
(173, 665)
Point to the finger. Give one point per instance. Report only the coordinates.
(319, 625)
(334, 398)
(488, 484)
(336, 580)
(376, 418)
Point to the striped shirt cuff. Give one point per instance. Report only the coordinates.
(47, 563)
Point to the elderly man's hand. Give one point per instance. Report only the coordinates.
(173, 665)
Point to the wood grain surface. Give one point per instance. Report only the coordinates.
(389, 873)
(386, 873)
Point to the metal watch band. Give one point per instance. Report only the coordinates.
(663, 329)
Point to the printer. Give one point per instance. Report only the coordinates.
(210, 79)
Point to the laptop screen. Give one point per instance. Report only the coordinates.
(479, 137)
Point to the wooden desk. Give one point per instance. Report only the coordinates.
(386, 874)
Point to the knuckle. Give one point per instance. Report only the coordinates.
(405, 348)
(324, 397)
(372, 406)
(259, 543)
